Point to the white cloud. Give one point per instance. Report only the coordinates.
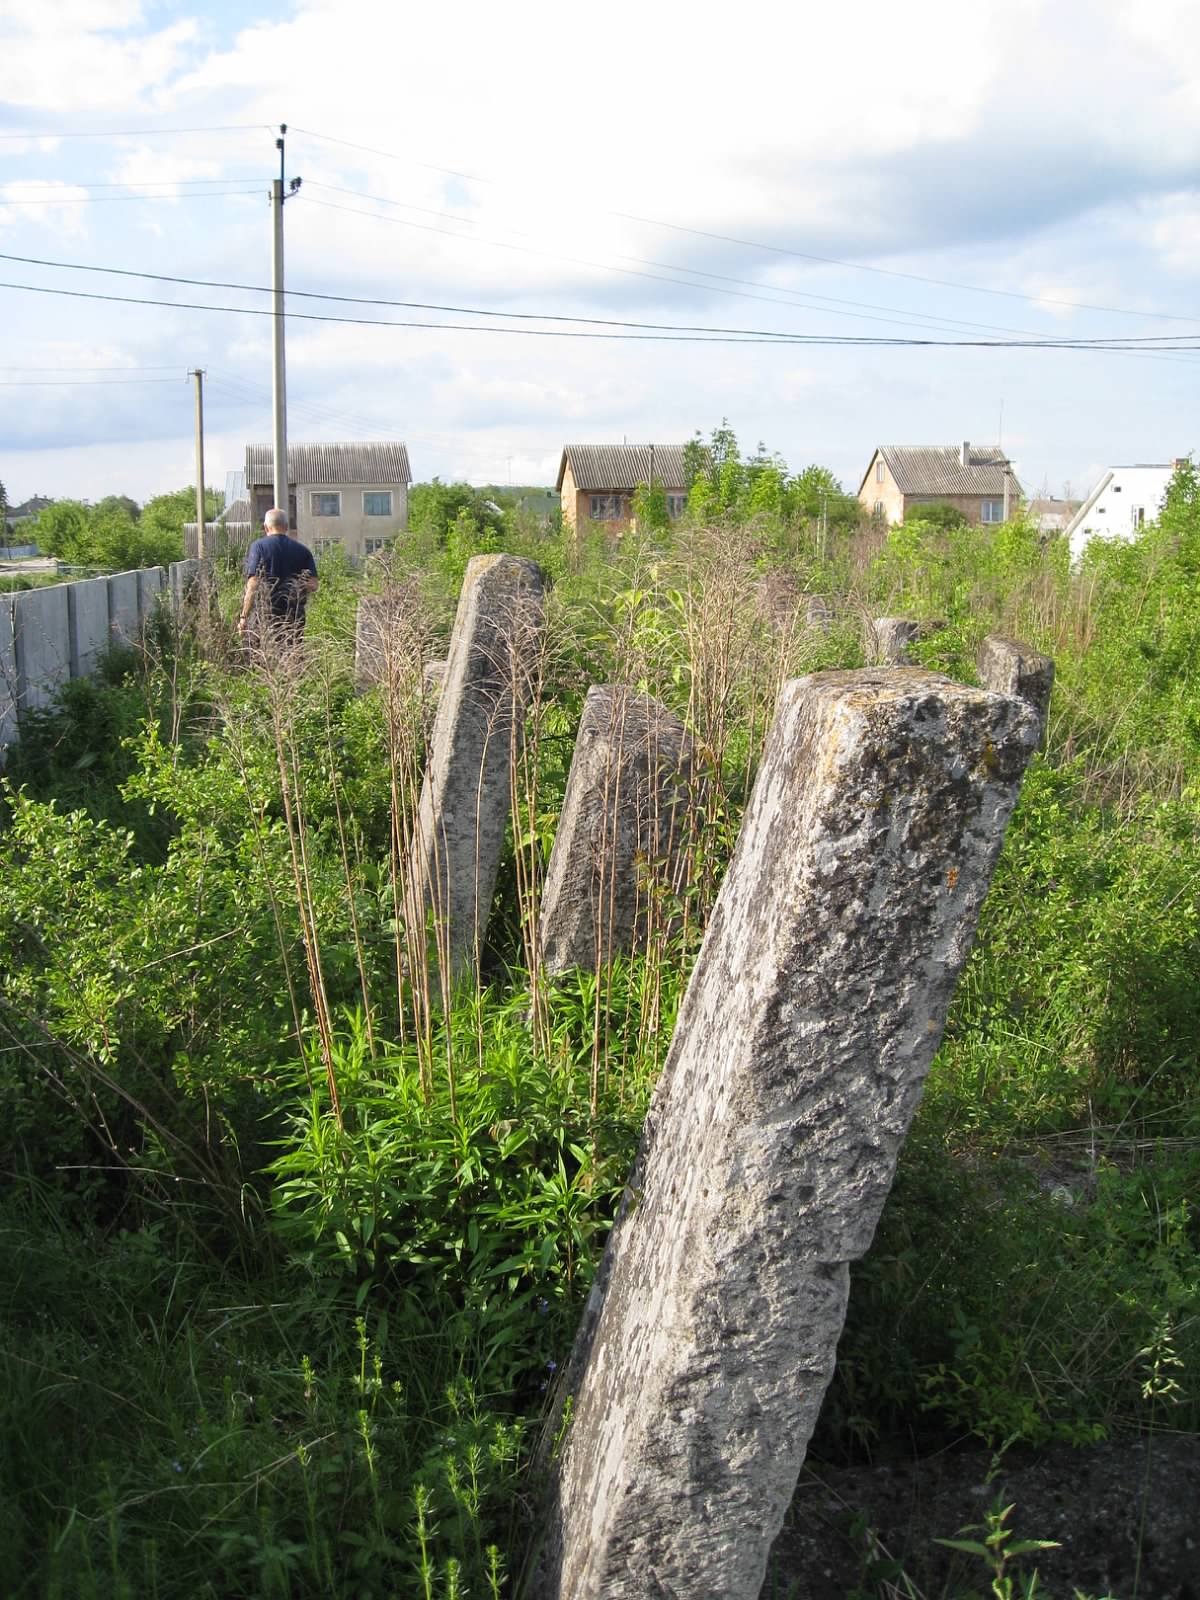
(47, 202)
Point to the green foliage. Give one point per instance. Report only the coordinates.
(112, 536)
(437, 509)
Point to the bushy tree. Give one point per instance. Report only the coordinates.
(164, 515)
(435, 508)
(106, 536)
(937, 514)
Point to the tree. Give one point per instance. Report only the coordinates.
(106, 536)
(650, 507)
(163, 517)
(435, 508)
(120, 502)
(937, 514)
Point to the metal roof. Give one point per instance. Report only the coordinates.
(938, 469)
(332, 463)
(621, 467)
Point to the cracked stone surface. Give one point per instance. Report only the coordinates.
(814, 1011)
(1006, 666)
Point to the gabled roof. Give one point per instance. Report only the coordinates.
(332, 463)
(613, 467)
(29, 508)
(938, 469)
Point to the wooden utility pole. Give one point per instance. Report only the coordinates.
(199, 377)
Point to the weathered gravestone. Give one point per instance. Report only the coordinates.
(41, 632)
(624, 805)
(87, 603)
(890, 639)
(799, 1056)
(464, 806)
(1006, 666)
(433, 676)
(381, 645)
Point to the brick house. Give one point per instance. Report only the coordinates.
(596, 482)
(353, 495)
(977, 480)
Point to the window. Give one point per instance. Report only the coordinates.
(377, 502)
(326, 504)
(319, 546)
(992, 511)
(1137, 516)
(676, 504)
(606, 507)
(372, 547)
(879, 472)
(878, 508)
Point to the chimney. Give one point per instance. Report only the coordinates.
(1179, 461)
(964, 453)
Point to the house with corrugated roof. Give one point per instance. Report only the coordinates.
(352, 495)
(977, 480)
(596, 483)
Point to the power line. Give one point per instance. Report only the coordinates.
(76, 383)
(148, 183)
(1150, 342)
(116, 199)
(138, 133)
(758, 244)
(779, 341)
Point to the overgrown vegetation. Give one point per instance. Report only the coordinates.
(292, 1248)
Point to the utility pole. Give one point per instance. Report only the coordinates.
(280, 191)
(199, 377)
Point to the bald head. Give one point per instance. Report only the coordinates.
(276, 521)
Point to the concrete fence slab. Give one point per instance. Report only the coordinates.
(8, 676)
(152, 582)
(181, 578)
(42, 636)
(800, 1053)
(123, 607)
(87, 608)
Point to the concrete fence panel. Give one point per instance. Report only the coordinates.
(8, 676)
(87, 608)
(811, 1018)
(123, 607)
(42, 636)
(152, 581)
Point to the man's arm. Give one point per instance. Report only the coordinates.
(247, 601)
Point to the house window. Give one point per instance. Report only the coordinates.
(372, 547)
(878, 508)
(992, 511)
(879, 472)
(320, 546)
(377, 502)
(1137, 515)
(326, 504)
(606, 507)
(676, 504)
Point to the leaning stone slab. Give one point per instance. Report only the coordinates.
(800, 1053)
(41, 634)
(123, 607)
(463, 812)
(8, 677)
(1006, 666)
(623, 806)
(433, 676)
(87, 603)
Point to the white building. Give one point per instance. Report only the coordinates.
(353, 495)
(1124, 500)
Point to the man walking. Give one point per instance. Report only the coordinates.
(280, 576)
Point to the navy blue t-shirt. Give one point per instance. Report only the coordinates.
(279, 562)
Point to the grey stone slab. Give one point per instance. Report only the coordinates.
(386, 648)
(8, 677)
(1009, 667)
(465, 797)
(433, 676)
(123, 615)
(152, 582)
(813, 1013)
(42, 636)
(622, 820)
(87, 605)
(890, 639)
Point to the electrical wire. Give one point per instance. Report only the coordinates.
(116, 199)
(138, 133)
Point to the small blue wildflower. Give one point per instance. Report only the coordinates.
(543, 1306)
(178, 1465)
(552, 1366)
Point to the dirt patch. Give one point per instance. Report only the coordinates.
(1126, 1518)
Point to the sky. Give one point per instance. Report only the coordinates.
(861, 172)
